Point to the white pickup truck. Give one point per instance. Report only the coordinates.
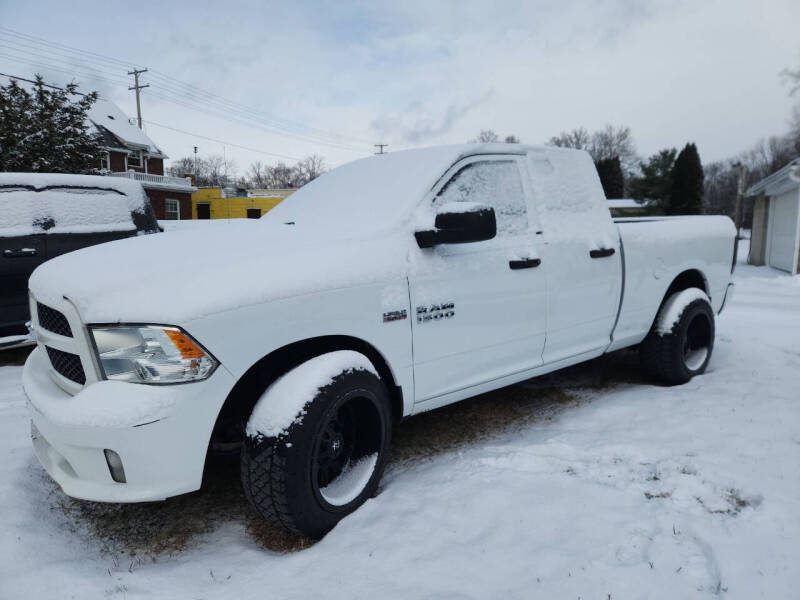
(387, 287)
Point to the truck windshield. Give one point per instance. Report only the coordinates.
(375, 194)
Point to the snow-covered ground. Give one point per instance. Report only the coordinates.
(587, 484)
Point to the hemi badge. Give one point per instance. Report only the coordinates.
(394, 315)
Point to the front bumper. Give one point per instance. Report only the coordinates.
(161, 433)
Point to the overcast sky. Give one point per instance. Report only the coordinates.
(409, 73)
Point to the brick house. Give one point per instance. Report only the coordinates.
(130, 153)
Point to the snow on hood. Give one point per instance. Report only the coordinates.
(179, 276)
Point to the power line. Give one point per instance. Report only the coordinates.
(184, 100)
(47, 85)
(233, 117)
(205, 137)
(193, 134)
(174, 87)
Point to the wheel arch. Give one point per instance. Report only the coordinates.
(248, 389)
(690, 278)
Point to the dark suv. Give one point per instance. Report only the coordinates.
(43, 215)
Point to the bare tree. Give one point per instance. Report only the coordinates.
(309, 169)
(214, 170)
(181, 167)
(606, 144)
(512, 139)
(578, 138)
(219, 170)
(611, 142)
(486, 136)
(792, 78)
(257, 175)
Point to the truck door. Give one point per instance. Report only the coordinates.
(478, 309)
(582, 253)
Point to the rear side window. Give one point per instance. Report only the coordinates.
(496, 183)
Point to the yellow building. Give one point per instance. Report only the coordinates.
(235, 203)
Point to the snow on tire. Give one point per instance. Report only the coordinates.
(680, 344)
(330, 457)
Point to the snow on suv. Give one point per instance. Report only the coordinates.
(387, 287)
(44, 215)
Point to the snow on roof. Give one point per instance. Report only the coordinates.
(107, 114)
(778, 182)
(624, 203)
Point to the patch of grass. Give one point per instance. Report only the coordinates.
(476, 419)
(153, 529)
(650, 496)
(147, 531)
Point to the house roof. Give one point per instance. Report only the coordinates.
(779, 182)
(113, 124)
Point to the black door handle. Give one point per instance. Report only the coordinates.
(602, 253)
(525, 263)
(21, 253)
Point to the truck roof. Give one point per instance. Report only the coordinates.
(380, 188)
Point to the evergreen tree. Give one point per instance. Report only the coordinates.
(610, 172)
(686, 191)
(45, 130)
(655, 184)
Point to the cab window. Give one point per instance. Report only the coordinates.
(496, 183)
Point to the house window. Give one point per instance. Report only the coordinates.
(172, 210)
(135, 158)
(105, 162)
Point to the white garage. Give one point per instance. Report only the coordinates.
(776, 220)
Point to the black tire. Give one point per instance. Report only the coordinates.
(676, 357)
(284, 477)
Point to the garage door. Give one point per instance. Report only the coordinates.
(783, 231)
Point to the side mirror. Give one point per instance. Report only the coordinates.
(459, 223)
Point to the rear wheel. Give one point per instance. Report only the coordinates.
(675, 356)
(328, 463)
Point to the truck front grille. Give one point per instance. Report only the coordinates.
(53, 320)
(66, 364)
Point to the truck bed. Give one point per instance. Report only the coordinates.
(655, 250)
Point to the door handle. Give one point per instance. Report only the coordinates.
(601, 253)
(20, 253)
(524, 263)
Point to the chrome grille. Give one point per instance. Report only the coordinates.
(53, 320)
(67, 364)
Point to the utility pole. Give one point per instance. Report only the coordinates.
(195, 161)
(137, 87)
(737, 215)
(380, 148)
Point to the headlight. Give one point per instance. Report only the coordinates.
(150, 354)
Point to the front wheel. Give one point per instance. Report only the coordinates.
(679, 348)
(328, 462)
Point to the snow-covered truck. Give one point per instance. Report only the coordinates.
(387, 287)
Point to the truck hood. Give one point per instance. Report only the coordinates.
(178, 276)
